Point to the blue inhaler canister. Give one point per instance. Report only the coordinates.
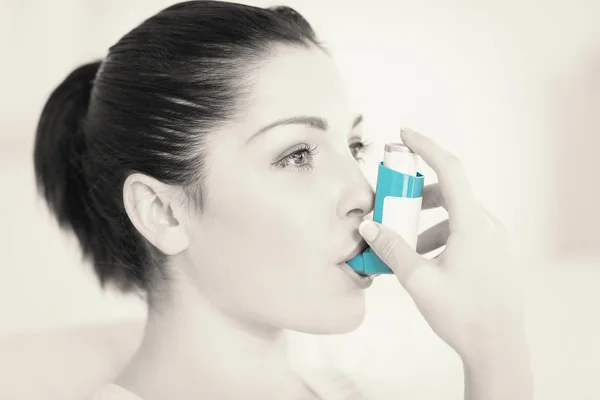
(398, 199)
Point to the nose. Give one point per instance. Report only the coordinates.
(357, 196)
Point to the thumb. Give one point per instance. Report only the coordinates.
(392, 249)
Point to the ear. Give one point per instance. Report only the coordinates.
(150, 206)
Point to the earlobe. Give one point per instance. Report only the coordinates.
(148, 204)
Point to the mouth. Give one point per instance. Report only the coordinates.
(356, 250)
(359, 280)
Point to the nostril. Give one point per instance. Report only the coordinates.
(360, 213)
(356, 212)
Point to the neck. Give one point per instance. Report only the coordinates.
(193, 349)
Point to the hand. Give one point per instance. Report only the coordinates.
(467, 294)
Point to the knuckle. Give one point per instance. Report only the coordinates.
(389, 250)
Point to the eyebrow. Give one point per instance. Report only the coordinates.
(314, 122)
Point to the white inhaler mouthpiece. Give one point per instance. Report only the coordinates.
(401, 214)
(400, 158)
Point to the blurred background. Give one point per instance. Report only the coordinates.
(511, 87)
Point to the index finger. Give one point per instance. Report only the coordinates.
(453, 182)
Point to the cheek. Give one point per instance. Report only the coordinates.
(276, 216)
(255, 237)
(265, 250)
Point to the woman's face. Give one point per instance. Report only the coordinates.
(283, 204)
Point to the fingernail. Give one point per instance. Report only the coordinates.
(368, 230)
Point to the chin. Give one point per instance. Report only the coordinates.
(344, 318)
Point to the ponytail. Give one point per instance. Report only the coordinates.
(60, 148)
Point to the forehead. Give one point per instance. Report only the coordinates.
(297, 81)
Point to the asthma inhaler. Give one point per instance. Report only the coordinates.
(398, 200)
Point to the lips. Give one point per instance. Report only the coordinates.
(357, 249)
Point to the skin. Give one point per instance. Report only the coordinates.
(470, 294)
(263, 255)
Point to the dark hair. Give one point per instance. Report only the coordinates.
(147, 108)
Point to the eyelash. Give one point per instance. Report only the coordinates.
(305, 149)
(311, 151)
(364, 146)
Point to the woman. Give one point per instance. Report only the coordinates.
(210, 161)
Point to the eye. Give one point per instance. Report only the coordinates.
(300, 159)
(358, 149)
